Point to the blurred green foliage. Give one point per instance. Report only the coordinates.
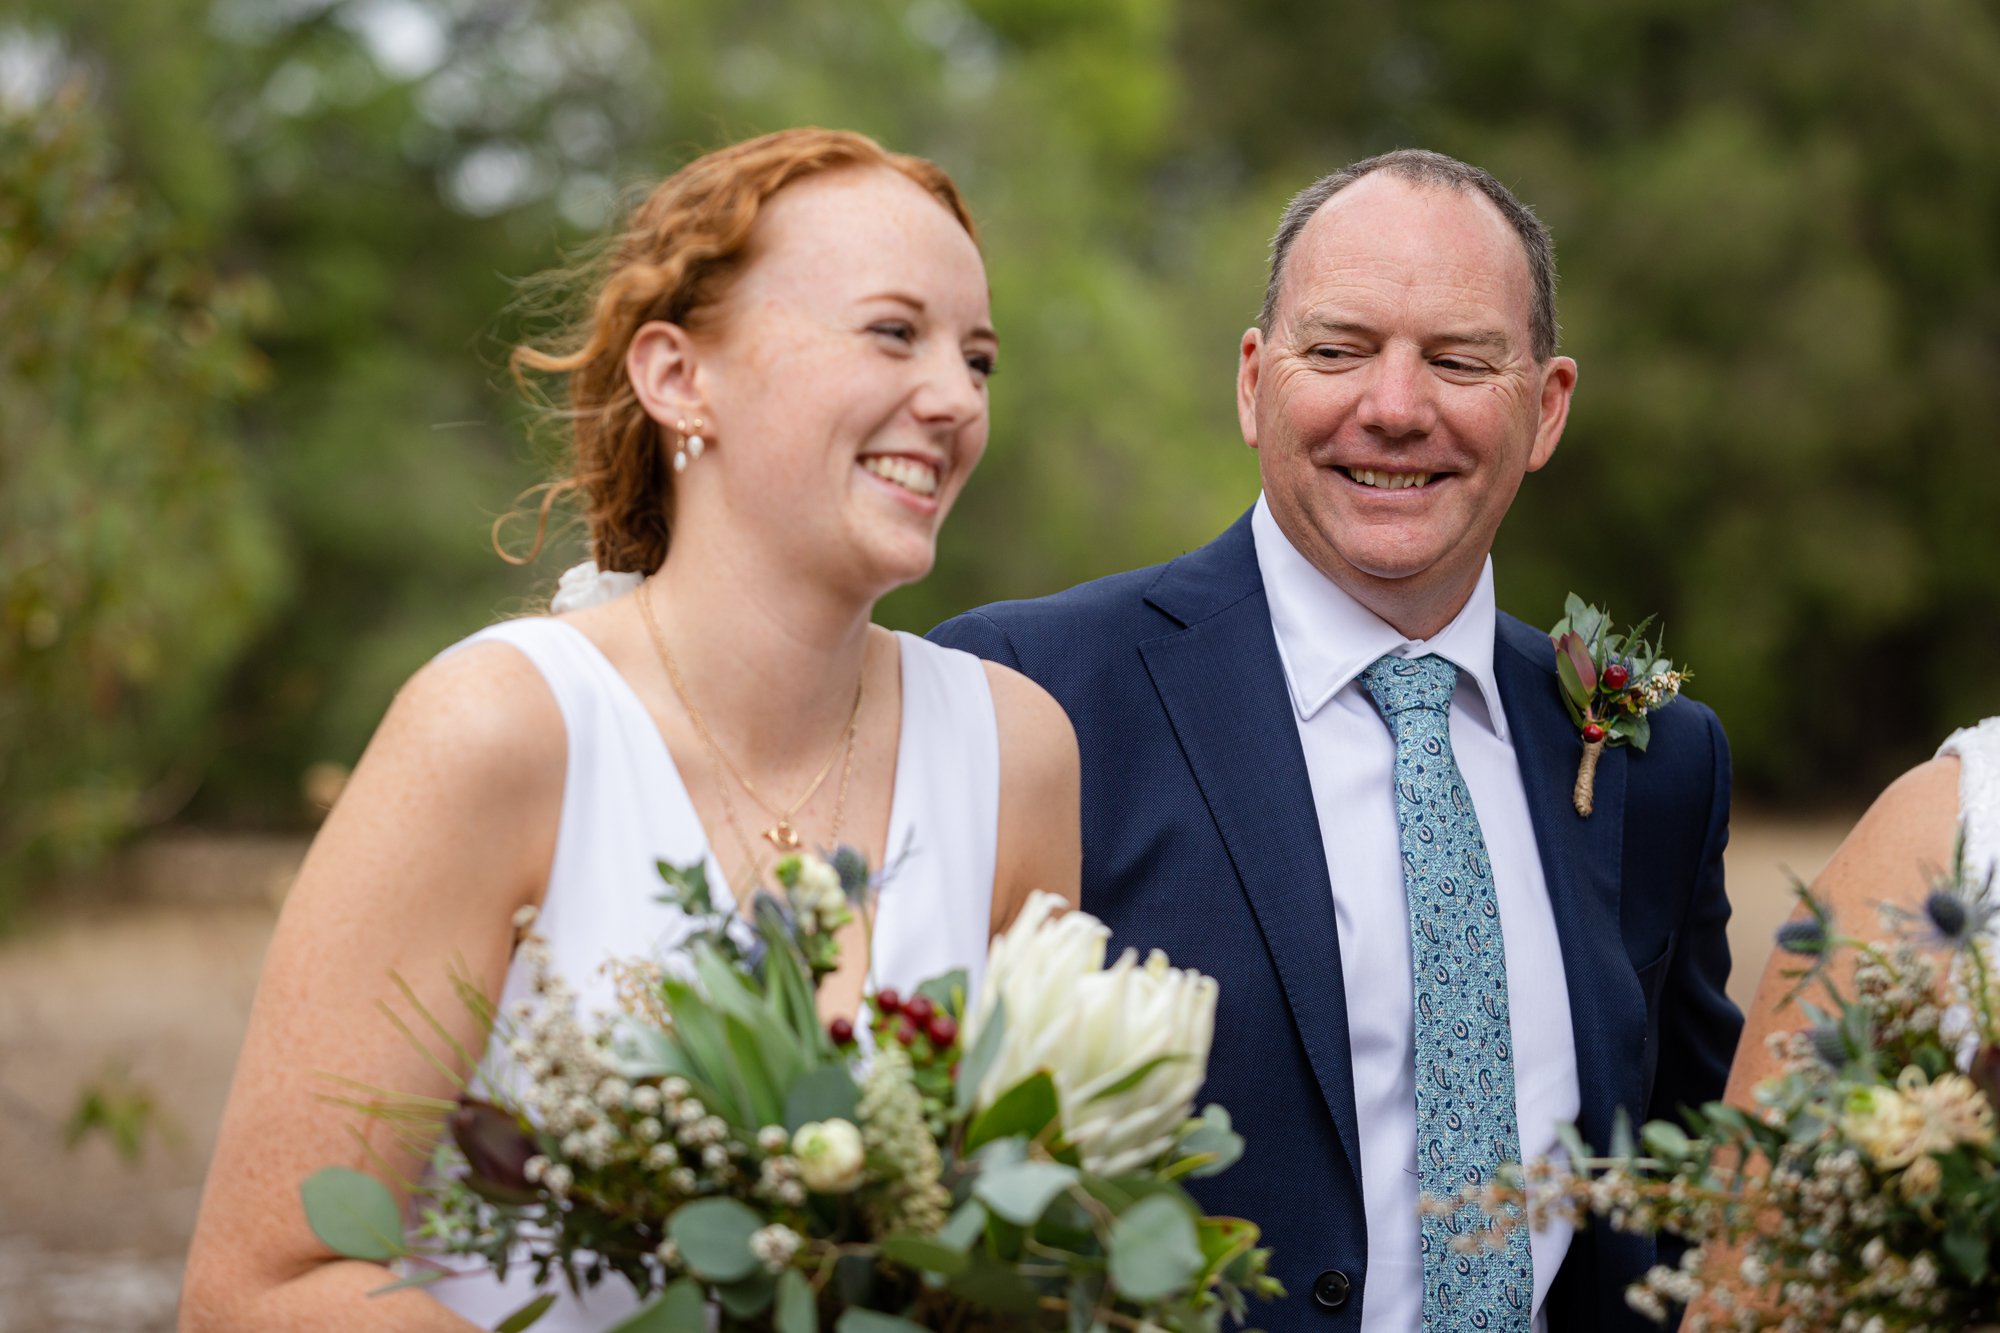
(1781, 277)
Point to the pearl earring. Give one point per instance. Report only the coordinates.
(691, 445)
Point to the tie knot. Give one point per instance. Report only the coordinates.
(1399, 684)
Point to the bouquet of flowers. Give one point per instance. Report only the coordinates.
(1862, 1192)
(1005, 1159)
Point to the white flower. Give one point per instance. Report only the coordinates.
(1091, 1027)
(585, 585)
(830, 1155)
(817, 900)
(774, 1246)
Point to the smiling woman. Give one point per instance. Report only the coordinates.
(777, 393)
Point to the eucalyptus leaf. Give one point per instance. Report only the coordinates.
(922, 1252)
(826, 1093)
(946, 992)
(354, 1214)
(1155, 1252)
(796, 1310)
(1663, 1138)
(714, 1238)
(972, 1065)
(1021, 1192)
(965, 1226)
(1214, 1140)
(747, 1297)
(874, 1321)
(1622, 1145)
(528, 1315)
(681, 1308)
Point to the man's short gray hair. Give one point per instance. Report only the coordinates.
(1421, 166)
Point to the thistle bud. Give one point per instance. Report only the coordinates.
(1804, 938)
(1947, 914)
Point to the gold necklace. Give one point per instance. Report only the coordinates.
(782, 834)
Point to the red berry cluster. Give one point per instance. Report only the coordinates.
(915, 1023)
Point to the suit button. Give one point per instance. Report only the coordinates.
(1331, 1287)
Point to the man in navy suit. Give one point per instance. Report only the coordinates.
(1244, 808)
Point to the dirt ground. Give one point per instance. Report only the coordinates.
(153, 970)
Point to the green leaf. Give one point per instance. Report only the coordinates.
(826, 1093)
(714, 1238)
(1019, 1193)
(873, 1321)
(1586, 621)
(966, 1225)
(759, 1081)
(946, 992)
(796, 1312)
(997, 1285)
(1023, 1111)
(747, 1297)
(1572, 1142)
(1965, 1248)
(1663, 1138)
(1223, 1240)
(972, 1066)
(687, 887)
(1155, 1252)
(527, 1315)
(681, 1309)
(354, 1214)
(1214, 1143)
(1136, 1077)
(921, 1252)
(1622, 1146)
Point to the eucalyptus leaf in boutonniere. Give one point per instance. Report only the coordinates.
(1611, 683)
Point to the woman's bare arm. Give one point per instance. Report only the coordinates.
(445, 830)
(1041, 810)
(1906, 835)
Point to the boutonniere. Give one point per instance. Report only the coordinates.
(1611, 684)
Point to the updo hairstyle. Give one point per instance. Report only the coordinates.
(674, 260)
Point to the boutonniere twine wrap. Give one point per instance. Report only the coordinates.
(1611, 684)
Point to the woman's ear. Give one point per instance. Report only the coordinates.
(661, 364)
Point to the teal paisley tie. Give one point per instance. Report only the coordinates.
(1465, 1071)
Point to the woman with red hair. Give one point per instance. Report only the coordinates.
(778, 393)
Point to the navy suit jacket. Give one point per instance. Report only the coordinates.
(1200, 837)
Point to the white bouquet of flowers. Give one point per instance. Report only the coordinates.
(1003, 1160)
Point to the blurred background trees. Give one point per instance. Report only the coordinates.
(257, 258)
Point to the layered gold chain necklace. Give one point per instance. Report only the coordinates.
(783, 834)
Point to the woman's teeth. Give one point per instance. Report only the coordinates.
(914, 477)
(1388, 481)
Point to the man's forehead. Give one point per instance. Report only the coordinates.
(1426, 233)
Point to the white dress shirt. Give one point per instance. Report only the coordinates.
(1326, 640)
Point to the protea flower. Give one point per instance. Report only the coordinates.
(1092, 1029)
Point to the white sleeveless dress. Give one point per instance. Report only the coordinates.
(624, 807)
(1977, 749)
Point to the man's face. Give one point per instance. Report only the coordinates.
(1396, 403)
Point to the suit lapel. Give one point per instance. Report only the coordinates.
(1223, 687)
(1582, 861)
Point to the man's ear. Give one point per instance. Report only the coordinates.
(1558, 384)
(1249, 365)
(662, 364)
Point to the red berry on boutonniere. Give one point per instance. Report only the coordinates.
(1616, 677)
(1593, 734)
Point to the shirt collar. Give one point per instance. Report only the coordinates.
(1326, 639)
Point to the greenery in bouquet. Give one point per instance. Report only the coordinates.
(1860, 1193)
(1009, 1158)
(1611, 682)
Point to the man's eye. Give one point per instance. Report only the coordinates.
(1333, 353)
(1458, 364)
